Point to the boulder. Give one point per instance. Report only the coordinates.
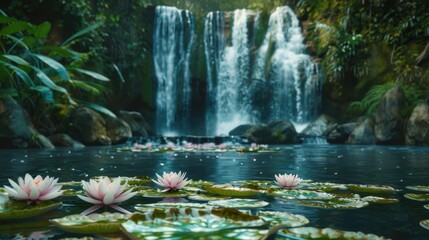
(388, 120)
(339, 133)
(118, 130)
(363, 134)
(319, 127)
(64, 140)
(16, 129)
(276, 132)
(282, 132)
(139, 127)
(417, 131)
(89, 127)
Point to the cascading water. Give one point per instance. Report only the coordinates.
(173, 39)
(227, 48)
(292, 79)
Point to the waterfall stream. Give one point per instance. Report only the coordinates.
(174, 35)
(245, 83)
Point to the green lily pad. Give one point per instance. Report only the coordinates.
(326, 233)
(136, 181)
(231, 191)
(426, 206)
(322, 186)
(248, 234)
(153, 193)
(417, 197)
(379, 200)
(151, 206)
(420, 188)
(335, 203)
(253, 184)
(14, 209)
(283, 218)
(371, 188)
(301, 194)
(93, 223)
(206, 197)
(425, 224)
(199, 183)
(239, 203)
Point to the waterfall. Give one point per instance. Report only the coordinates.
(290, 76)
(227, 49)
(173, 39)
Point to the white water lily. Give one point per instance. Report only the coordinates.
(106, 192)
(34, 189)
(288, 181)
(171, 181)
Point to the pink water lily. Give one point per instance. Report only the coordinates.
(288, 181)
(34, 189)
(171, 181)
(106, 192)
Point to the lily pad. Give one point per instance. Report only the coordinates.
(93, 223)
(239, 203)
(231, 191)
(283, 218)
(379, 200)
(420, 188)
(301, 194)
(417, 197)
(326, 233)
(371, 188)
(322, 186)
(425, 224)
(199, 183)
(426, 206)
(151, 206)
(152, 193)
(13, 209)
(253, 184)
(335, 203)
(206, 197)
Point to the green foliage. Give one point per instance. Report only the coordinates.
(40, 76)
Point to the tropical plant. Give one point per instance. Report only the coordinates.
(46, 79)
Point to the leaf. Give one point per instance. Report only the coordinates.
(61, 51)
(20, 73)
(91, 74)
(16, 59)
(86, 87)
(101, 109)
(46, 92)
(119, 73)
(48, 82)
(58, 67)
(42, 31)
(8, 92)
(82, 32)
(5, 19)
(15, 27)
(18, 41)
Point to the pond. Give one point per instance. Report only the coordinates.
(397, 167)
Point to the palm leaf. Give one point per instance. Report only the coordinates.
(86, 87)
(48, 82)
(82, 32)
(20, 73)
(58, 67)
(18, 60)
(46, 92)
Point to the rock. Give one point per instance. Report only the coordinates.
(240, 130)
(89, 127)
(282, 132)
(139, 127)
(277, 132)
(417, 131)
(319, 127)
(339, 133)
(118, 130)
(388, 120)
(64, 140)
(363, 134)
(16, 129)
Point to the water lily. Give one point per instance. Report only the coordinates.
(34, 189)
(106, 192)
(288, 181)
(171, 181)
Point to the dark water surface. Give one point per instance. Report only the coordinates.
(394, 166)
